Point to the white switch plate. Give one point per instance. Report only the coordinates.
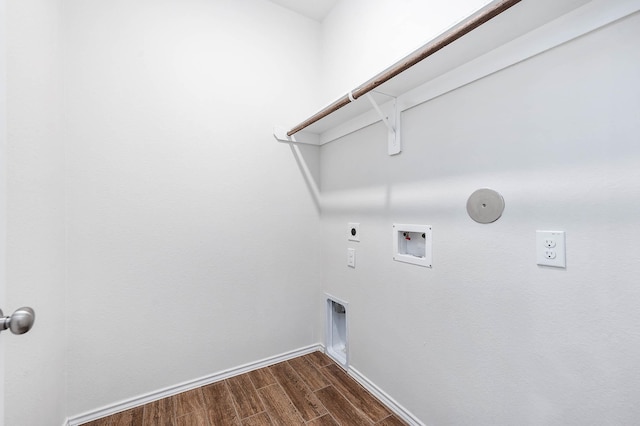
(351, 257)
(353, 231)
(550, 249)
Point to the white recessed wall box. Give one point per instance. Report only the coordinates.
(412, 244)
(337, 331)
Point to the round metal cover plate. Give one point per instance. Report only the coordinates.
(485, 205)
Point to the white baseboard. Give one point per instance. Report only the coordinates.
(186, 386)
(391, 403)
(138, 401)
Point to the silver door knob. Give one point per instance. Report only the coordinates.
(19, 322)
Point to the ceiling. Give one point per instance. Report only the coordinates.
(314, 9)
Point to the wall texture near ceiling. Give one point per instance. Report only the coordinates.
(360, 38)
(487, 337)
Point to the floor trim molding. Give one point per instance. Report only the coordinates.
(391, 403)
(127, 404)
(186, 386)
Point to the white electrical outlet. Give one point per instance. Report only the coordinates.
(550, 248)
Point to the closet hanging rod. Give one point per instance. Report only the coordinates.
(464, 27)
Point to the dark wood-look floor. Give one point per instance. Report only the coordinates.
(308, 390)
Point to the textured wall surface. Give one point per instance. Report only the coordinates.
(361, 38)
(193, 244)
(487, 336)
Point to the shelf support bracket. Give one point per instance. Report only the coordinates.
(392, 121)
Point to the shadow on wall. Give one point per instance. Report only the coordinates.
(370, 198)
(356, 174)
(309, 168)
(528, 133)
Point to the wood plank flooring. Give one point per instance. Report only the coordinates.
(309, 390)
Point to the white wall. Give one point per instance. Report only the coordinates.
(487, 337)
(361, 38)
(194, 245)
(193, 242)
(35, 271)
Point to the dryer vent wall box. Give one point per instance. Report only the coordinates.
(412, 244)
(337, 331)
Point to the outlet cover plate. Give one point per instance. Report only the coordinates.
(550, 249)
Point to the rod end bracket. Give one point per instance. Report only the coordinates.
(280, 133)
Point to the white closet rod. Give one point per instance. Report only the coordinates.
(464, 27)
